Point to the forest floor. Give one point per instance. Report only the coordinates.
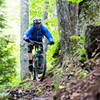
(72, 84)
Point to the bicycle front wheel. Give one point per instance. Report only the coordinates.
(40, 68)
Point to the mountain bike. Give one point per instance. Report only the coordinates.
(39, 61)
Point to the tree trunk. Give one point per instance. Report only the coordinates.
(45, 16)
(23, 45)
(67, 19)
(73, 10)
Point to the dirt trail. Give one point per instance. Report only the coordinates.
(43, 90)
(84, 90)
(71, 88)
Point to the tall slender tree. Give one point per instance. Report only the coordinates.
(23, 45)
(45, 16)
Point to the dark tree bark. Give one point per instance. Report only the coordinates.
(67, 13)
(73, 10)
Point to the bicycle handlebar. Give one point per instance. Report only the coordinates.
(37, 43)
(34, 42)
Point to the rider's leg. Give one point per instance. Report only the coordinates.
(30, 47)
(40, 59)
(41, 47)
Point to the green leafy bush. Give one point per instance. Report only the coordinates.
(7, 60)
(79, 46)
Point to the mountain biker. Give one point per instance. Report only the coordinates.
(36, 33)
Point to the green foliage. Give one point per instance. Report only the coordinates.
(4, 96)
(56, 84)
(7, 60)
(27, 84)
(98, 22)
(75, 1)
(74, 41)
(51, 50)
(81, 73)
(2, 15)
(74, 37)
(79, 46)
(89, 11)
(15, 80)
(83, 55)
(56, 79)
(36, 9)
(38, 91)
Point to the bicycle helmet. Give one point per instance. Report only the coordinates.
(37, 20)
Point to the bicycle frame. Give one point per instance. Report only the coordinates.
(37, 54)
(39, 61)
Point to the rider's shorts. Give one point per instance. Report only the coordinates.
(30, 48)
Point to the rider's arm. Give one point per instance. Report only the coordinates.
(28, 32)
(47, 34)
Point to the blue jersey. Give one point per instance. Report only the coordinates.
(37, 34)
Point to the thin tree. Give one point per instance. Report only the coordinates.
(45, 16)
(23, 45)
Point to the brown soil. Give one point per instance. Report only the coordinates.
(71, 87)
(88, 90)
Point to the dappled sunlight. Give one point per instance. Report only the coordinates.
(13, 19)
(69, 66)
